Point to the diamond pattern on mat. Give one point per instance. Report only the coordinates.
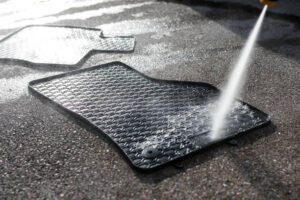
(140, 113)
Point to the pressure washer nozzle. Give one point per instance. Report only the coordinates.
(269, 2)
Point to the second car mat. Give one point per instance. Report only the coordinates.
(59, 45)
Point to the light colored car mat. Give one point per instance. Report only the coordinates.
(59, 45)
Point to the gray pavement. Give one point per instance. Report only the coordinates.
(46, 155)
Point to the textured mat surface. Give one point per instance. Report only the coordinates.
(152, 121)
(59, 45)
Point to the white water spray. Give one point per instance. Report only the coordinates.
(235, 82)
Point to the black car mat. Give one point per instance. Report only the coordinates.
(59, 45)
(152, 121)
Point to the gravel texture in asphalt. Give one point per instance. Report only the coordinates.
(46, 155)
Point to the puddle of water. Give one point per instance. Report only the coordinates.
(15, 10)
(75, 16)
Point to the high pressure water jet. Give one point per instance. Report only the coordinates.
(236, 78)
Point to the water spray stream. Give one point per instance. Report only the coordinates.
(235, 82)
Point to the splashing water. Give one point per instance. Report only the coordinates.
(236, 81)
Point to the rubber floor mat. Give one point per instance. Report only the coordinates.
(152, 121)
(59, 45)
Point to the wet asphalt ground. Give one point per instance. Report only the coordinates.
(46, 155)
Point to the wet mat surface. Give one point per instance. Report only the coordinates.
(152, 121)
(59, 45)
